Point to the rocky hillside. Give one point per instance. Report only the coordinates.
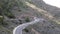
(22, 11)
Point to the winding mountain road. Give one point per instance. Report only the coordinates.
(18, 29)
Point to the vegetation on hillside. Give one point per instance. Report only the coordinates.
(5, 10)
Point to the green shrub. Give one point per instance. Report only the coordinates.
(1, 19)
(5, 6)
(27, 19)
(10, 15)
(4, 24)
(26, 30)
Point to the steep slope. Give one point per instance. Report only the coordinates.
(46, 27)
(24, 12)
(51, 9)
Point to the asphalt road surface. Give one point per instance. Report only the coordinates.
(18, 29)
